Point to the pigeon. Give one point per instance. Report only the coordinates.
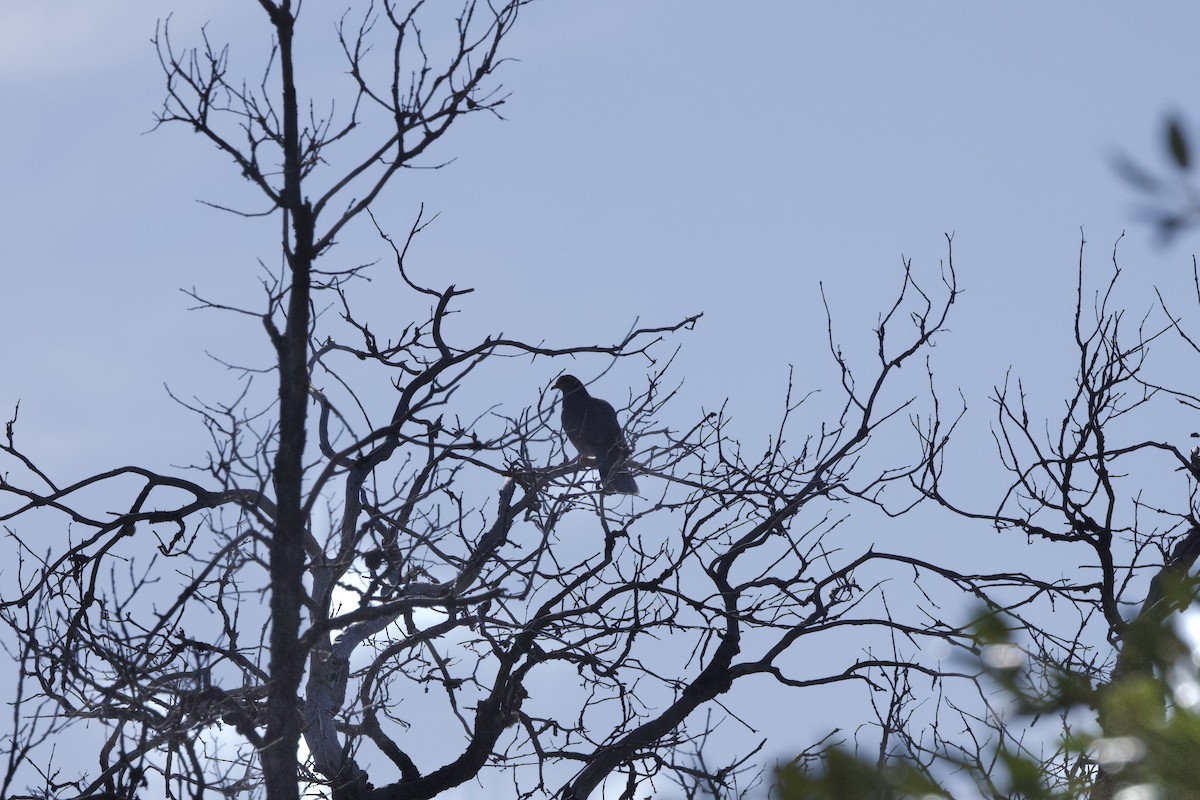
(591, 425)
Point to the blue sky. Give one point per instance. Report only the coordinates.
(658, 159)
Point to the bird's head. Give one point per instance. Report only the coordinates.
(567, 384)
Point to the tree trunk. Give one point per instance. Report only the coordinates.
(279, 756)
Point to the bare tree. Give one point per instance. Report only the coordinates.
(335, 559)
(1112, 484)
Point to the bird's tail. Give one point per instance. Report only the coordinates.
(615, 478)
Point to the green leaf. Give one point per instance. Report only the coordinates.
(1135, 176)
(1178, 143)
(1025, 776)
(1132, 706)
(841, 775)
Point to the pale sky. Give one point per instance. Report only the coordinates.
(659, 158)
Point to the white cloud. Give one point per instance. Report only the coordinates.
(1189, 630)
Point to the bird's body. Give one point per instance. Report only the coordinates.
(591, 425)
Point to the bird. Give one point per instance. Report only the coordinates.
(591, 425)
